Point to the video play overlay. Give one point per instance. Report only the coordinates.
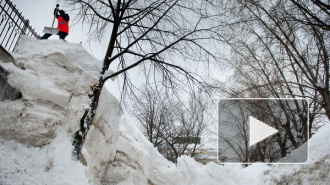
(263, 130)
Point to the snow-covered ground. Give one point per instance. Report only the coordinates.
(36, 133)
(50, 164)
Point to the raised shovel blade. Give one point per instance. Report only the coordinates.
(53, 31)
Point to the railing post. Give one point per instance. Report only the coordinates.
(21, 26)
(26, 25)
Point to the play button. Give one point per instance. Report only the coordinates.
(259, 131)
(263, 130)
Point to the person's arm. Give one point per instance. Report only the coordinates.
(56, 11)
(66, 17)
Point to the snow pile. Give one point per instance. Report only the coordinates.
(116, 152)
(316, 171)
(51, 164)
(36, 133)
(54, 78)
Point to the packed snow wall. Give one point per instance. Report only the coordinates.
(54, 78)
(6, 91)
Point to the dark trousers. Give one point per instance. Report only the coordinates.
(61, 34)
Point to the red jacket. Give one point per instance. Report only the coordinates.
(63, 25)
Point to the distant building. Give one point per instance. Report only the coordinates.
(205, 156)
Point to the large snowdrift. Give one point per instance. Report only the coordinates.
(36, 132)
(54, 78)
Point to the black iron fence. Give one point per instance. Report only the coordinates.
(12, 25)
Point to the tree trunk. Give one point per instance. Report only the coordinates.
(81, 134)
(87, 120)
(326, 101)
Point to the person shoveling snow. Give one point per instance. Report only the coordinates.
(63, 25)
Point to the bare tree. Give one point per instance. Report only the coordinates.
(280, 49)
(153, 111)
(170, 124)
(313, 13)
(148, 34)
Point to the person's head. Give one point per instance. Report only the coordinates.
(64, 15)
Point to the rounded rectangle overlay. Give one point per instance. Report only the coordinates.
(280, 130)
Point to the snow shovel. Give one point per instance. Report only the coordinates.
(52, 30)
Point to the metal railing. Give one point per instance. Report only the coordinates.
(12, 25)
